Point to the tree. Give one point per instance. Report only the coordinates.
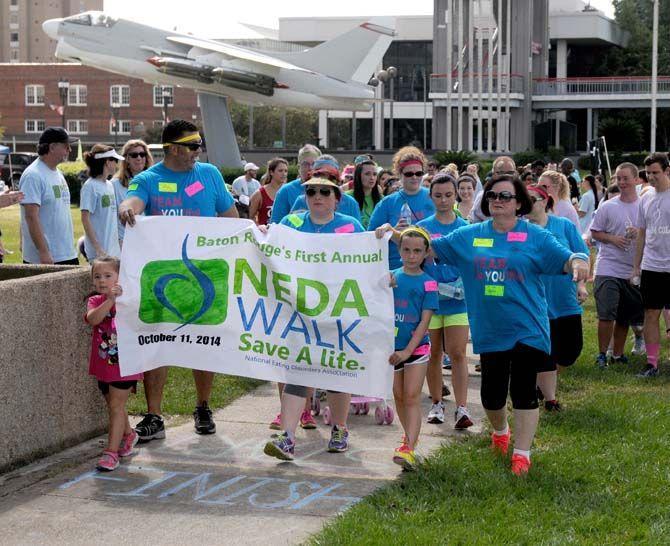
(301, 125)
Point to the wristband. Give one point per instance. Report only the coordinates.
(578, 256)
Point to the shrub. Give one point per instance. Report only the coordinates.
(555, 154)
(523, 158)
(231, 173)
(460, 158)
(75, 174)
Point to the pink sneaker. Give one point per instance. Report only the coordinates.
(306, 420)
(127, 444)
(276, 424)
(108, 462)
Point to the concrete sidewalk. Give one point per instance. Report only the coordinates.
(214, 489)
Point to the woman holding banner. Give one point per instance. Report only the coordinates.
(322, 196)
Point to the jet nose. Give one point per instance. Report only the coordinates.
(51, 28)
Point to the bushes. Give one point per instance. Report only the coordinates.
(523, 158)
(231, 173)
(460, 158)
(75, 174)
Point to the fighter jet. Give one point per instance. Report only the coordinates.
(333, 75)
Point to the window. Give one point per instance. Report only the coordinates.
(35, 125)
(13, 55)
(13, 20)
(119, 94)
(77, 126)
(158, 95)
(14, 38)
(124, 126)
(77, 95)
(34, 95)
(158, 124)
(14, 5)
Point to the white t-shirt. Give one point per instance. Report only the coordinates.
(654, 217)
(97, 197)
(587, 204)
(242, 186)
(47, 188)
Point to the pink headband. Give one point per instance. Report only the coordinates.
(407, 162)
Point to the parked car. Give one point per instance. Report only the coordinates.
(11, 173)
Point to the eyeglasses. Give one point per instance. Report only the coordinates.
(311, 192)
(503, 196)
(508, 173)
(135, 155)
(193, 146)
(537, 198)
(417, 174)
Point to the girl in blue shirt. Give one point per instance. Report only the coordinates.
(415, 299)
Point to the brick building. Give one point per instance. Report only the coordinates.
(95, 99)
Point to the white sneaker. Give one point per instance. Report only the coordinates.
(462, 418)
(609, 353)
(639, 348)
(436, 414)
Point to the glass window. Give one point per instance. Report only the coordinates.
(124, 126)
(13, 36)
(414, 61)
(158, 95)
(119, 94)
(83, 19)
(34, 95)
(35, 125)
(77, 95)
(77, 126)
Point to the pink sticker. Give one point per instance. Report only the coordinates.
(517, 236)
(421, 350)
(430, 286)
(435, 235)
(346, 228)
(194, 188)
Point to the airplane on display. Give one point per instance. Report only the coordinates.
(333, 75)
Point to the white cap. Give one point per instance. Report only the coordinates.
(250, 167)
(111, 154)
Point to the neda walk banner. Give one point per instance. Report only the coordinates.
(217, 294)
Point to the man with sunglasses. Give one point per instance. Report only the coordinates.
(177, 186)
(503, 165)
(290, 191)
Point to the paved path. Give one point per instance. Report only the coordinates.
(190, 489)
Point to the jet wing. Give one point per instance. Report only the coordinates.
(234, 52)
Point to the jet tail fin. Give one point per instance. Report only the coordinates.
(354, 55)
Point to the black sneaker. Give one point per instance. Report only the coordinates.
(649, 371)
(552, 405)
(204, 424)
(622, 359)
(601, 361)
(151, 427)
(445, 390)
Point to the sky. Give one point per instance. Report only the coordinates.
(215, 18)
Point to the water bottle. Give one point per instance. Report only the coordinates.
(406, 214)
(2, 186)
(453, 289)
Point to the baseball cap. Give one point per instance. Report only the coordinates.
(250, 167)
(55, 135)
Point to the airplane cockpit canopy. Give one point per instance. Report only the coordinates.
(92, 18)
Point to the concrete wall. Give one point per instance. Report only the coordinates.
(47, 400)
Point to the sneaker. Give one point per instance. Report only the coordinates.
(649, 371)
(339, 440)
(436, 413)
(405, 457)
(306, 420)
(500, 442)
(128, 443)
(108, 462)
(204, 424)
(623, 359)
(520, 465)
(281, 447)
(478, 367)
(552, 405)
(609, 353)
(639, 346)
(601, 361)
(446, 362)
(151, 427)
(276, 424)
(445, 390)
(462, 418)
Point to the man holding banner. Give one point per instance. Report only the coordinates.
(178, 186)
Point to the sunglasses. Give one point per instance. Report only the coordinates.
(503, 196)
(537, 198)
(193, 146)
(311, 192)
(411, 174)
(135, 155)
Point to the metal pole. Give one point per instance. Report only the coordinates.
(489, 67)
(499, 129)
(459, 60)
(425, 106)
(654, 78)
(391, 115)
(251, 127)
(283, 128)
(450, 37)
(508, 69)
(353, 129)
(381, 125)
(471, 27)
(480, 86)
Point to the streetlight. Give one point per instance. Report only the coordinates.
(115, 119)
(654, 77)
(166, 101)
(63, 89)
(382, 77)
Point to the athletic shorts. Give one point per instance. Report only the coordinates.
(655, 289)
(415, 358)
(445, 321)
(566, 340)
(617, 299)
(121, 385)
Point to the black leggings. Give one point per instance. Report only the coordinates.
(513, 371)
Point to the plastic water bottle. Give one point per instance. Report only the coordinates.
(406, 213)
(2, 186)
(453, 289)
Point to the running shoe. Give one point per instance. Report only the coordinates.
(339, 440)
(204, 424)
(601, 361)
(436, 413)
(639, 346)
(478, 367)
(445, 390)
(622, 359)
(405, 457)
(446, 362)
(276, 423)
(462, 418)
(520, 465)
(108, 462)
(281, 447)
(128, 443)
(306, 420)
(151, 427)
(500, 442)
(609, 353)
(649, 371)
(553, 405)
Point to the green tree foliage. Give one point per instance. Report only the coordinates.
(302, 125)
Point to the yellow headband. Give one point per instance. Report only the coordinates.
(184, 140)
(418, 230)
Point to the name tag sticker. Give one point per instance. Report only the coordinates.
(517, 237)
(487, 243)
(194, 188)
(167, 187)
(435, 235)
(497, 290)
(133, 187)
(346, 228)
(430, 286)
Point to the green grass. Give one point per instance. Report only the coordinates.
(600, 475)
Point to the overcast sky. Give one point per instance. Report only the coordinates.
(214, 18)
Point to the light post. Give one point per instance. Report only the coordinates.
(63, 89)
(166, 101)
(654, 78)
(381, 77)
(115, 118)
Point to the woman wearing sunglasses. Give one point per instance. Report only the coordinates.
(563, 298)
(322, 197)
(409, 205)
(502, 261)
(136, 158)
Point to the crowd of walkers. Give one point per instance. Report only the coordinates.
(502, 260)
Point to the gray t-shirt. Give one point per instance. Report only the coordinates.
(565, 209)
(47, 188)
(654, 217)
(120, 192)
(242, 186)
(97, 197)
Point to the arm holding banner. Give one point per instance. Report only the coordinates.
(400, 356)
(130, 208)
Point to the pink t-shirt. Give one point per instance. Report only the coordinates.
(654, 217)
(104, 360)
(565, 209)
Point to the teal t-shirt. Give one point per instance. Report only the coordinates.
(284, 199)
(302, 221)
(412, 295)
(347, 206)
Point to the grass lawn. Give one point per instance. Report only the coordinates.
(600, 474)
